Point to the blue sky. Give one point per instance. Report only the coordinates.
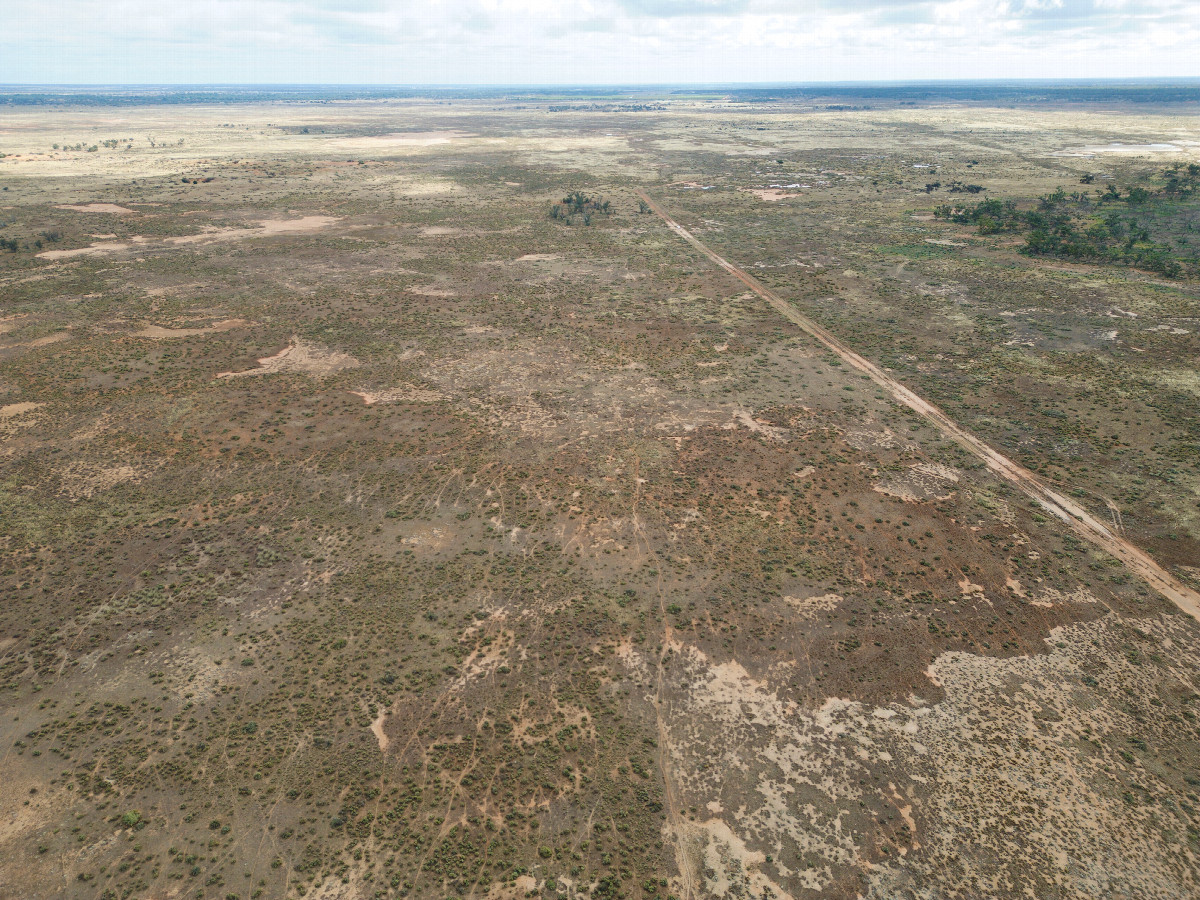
(592, 41)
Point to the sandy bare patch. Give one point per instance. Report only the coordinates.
(157, 332)
(810, 607)
(302, 225)
(789, 784)
(538, 257)
(922, 482)
(265, 228)
(548, 388)
(377, 730)
(731, 868)
(192, 670)
(757, 426)
(1122, 149)
(942, 242)
(427, 539)
(94, 429)
(82, 480)
(93, 250)
(14, 418)
(404, 394)
(439, 230)
(13, 410)
(97, 208)
(410, 139)
(1180, 379)
(1050, 597)
(431, 292)
(300, 356)
(523, 886)
(21, 821)
(877, 437)
(43, 341)
(480, 663)
(10, 323)
(771, 195)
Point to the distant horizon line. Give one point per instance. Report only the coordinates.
(1035, 80)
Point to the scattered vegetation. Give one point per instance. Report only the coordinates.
(265, 639)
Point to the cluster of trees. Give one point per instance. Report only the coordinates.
(956, 187)
(111, 144)
(1089, 228)
(1111, 240)
(12, 245)
(578, 205)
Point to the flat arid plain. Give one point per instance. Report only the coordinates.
(683, 495)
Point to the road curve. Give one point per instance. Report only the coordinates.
(1072, 514)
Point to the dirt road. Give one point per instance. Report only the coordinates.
(1069, 512)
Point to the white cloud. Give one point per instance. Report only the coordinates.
(528, 41)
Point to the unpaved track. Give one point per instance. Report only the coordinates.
(1078, 518)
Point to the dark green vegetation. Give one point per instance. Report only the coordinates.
(578, 206)
(1149, 226)
(550, 560)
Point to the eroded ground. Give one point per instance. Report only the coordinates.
(368, 533)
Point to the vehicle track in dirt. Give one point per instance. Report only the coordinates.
(1067, 511)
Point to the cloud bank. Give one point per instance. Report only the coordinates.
(592, 41)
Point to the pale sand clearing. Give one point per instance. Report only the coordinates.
(18, 409)
(746, 420)
(93, 250)
(403, 394)
(430, 292)
(266, 228)
(377, 730)
(157, 332)
(300, 356)
(96, 208)
(83, 480)
(408, 139)
(810, 607)
(49, 339)
(770, 194)
(296, 226)
(1118, 147)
